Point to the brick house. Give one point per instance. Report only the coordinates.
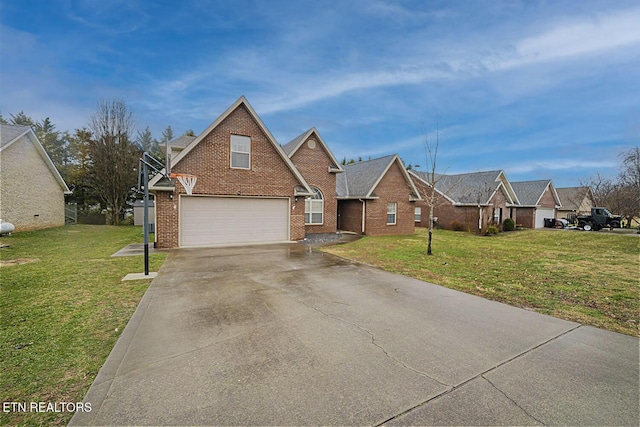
(538, 200)
(574, 201)
(31, 188)
(250, 189)
(247, 189)
(317, 164)
(469, 202)
(376, 197)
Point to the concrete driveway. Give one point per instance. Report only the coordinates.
(286, 335)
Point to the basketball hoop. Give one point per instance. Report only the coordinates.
(187, 181)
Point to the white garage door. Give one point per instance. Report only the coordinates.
(541, 214)
(211, 221)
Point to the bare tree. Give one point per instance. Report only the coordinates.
(629, 180)
(113, 156)
(602, 189)
(621, 197)
(431, 158)
(630, 174)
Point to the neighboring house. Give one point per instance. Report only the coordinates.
(538, 200)
(31, 188)
(470, 201)
(247, 191)
(176, 145)
(138, 213)
(575, 201)
(376, 197)
(317, 164)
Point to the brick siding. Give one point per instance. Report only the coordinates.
(393, 187)
(313, 164)
(350, 215)
(269, 175)
(467, 217)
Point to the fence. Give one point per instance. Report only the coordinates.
(70, 213)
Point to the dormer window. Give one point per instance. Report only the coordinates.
(240, 152)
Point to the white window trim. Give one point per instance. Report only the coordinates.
(394, 213)
(417, 214)
(311, 212)
(231, 151)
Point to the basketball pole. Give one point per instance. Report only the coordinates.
(146, 162)
(146, 218)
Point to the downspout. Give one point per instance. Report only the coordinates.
(364, 207)
(480, 220)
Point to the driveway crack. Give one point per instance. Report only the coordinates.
(482, 375)
(511, 400)
(373, 341)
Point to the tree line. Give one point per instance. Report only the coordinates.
(98, 161)
(621, 195)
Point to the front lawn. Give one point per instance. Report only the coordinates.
(587, 277)
(63, 307)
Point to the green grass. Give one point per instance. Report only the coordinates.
(591, 278)
(62, 312)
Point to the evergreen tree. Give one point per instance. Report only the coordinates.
(144, 140)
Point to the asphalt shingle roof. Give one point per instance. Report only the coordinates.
(529, 192)
(289, 146)
(466, 188)
(571, 197)
(358, 179)
(10, 132)
(181, 141)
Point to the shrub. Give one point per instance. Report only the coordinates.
(492, 229)
(509, 225)
(127, 221)
(455, 225)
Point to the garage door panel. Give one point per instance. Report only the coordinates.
(541, 214)
(209, 221)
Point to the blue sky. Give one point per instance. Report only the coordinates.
(541, 89)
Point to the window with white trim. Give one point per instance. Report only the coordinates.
(392, 208)
(240, 152)
(314, 208)
(417, 215)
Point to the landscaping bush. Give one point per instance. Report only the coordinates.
(508, 225)
(492, 229)
(455, 225)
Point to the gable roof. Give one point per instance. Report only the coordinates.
(242, 101)
(530, 192)
(360, 179)
(178, 143)
(572, 197)
(477, 188)
(292, 146)
(9, 134)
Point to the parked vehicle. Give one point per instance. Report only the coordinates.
(599, 218)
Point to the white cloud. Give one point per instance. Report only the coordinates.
(587, 35)
(558, 164)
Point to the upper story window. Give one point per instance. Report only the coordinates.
(314, 208)
(392, 209)
(240, 152)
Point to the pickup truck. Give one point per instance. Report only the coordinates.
(599, 218)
